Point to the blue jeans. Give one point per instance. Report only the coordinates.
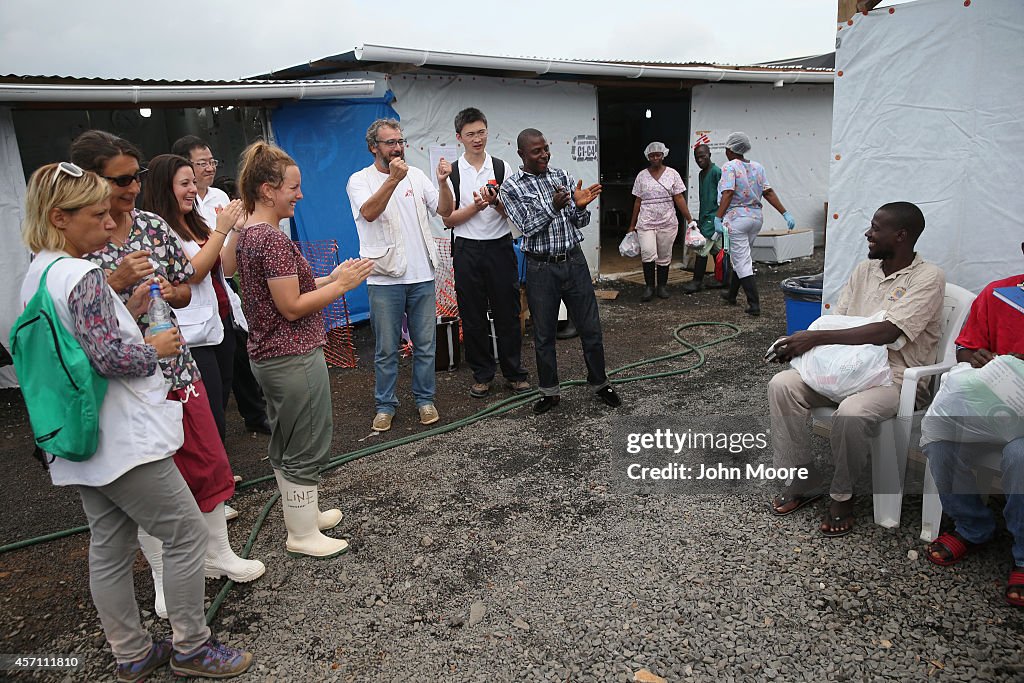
(387, 304)
(546, 285)
(958, 490)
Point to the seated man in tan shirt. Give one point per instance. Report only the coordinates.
(894, 279)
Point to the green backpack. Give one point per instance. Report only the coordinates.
(63, 393)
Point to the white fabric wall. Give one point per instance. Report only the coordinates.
(790, 129)
(13, 257)
(928, 110)
(428, 104)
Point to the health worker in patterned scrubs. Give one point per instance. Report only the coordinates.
(740, 190)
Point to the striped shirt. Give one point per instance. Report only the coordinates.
(528, 198)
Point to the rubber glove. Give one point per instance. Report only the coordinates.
(719, 226)
(790, 221)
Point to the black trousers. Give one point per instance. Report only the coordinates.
(487, 276)
(248, 393)
(217, 366)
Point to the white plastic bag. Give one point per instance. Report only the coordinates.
(630, 245)
(694, 239)
(840, 370)
(978, 405)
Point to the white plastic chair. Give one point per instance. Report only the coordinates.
(891, 444)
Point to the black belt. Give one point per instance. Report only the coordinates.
(551, 258)
(496, 240)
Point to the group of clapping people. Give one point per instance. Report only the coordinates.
(160, 475)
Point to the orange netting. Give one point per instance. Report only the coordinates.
(340, 351)
(444, 279)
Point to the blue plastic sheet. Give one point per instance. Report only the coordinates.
(328, 141)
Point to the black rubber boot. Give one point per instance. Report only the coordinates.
(662, 290)
(729, 295)
(697, 283)
(749, 285)
(649, 281)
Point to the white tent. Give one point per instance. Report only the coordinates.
(13, 257)
(927, 110)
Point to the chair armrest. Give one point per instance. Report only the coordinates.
(911, 376)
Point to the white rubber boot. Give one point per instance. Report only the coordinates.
(220, 558)
(153, 551)
(328, 519)
(301, 518)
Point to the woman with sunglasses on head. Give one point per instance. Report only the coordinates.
(129, 481)
(283, 303)
(206, 322)
(201, 458)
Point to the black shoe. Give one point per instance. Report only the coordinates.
(662, 292)
(566, 330)
(649, 268)
(648, 294)
(749, 285)
(713, 284)
(260, 426)
(545, 404)
(693, 286)
(610, 398)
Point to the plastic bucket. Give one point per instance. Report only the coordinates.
(449, 349)
(803, 300)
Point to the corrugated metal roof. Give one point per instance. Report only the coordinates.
(69, 80)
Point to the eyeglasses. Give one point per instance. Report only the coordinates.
(126, 180)
(393, 143)
(475, 135)
(204, 163)
(66, 167)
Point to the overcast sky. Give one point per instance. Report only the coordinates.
(237, 38)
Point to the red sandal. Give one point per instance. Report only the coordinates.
(957, 547)
(1015, 583)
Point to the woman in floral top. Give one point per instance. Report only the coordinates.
(283, 302)
(141, 249)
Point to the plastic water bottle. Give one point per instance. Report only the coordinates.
(159, 311)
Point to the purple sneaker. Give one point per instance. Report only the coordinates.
(159, 654)
(212, 660)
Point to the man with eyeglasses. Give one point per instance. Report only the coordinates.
(392, 204)
(550, 208)
(209, 202)
(486, 270)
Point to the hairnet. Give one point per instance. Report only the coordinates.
(738, 142)
(656, 147)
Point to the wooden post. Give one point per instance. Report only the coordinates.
(847, 8)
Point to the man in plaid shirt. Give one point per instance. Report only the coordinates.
(550, 208)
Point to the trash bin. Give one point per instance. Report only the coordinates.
(803, 300)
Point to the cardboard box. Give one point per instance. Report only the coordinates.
(776, 246)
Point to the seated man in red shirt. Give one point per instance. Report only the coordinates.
(994, 328)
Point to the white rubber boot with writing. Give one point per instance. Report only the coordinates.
(153, 551)
(221, 560)
(302, 519)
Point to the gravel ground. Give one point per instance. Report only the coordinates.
(504, 551)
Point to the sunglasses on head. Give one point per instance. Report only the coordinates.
(66, 167)
(126, 180)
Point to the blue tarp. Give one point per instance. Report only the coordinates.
(328, 141)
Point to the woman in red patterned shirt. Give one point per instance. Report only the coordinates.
(282, 301)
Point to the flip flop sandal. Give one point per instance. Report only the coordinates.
(1016, 581)
(801, 500)
(958, 548)
(834, 520)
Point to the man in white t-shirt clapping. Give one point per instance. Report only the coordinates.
(392, 204)
(486, 269)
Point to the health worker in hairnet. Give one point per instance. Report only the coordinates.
(659, 192)
(740, 191)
